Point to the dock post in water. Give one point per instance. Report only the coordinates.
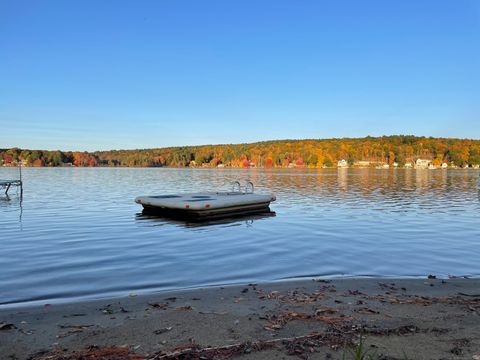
(7, 184)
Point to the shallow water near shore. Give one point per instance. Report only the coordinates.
(77, 234)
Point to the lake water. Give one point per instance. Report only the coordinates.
(79, 235)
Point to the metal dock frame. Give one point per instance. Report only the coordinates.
(9, 183)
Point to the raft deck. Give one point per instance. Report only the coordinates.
(206, 205)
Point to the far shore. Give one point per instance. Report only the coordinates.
(316, 319)
(245, 168)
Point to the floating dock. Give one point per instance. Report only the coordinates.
(206, 205)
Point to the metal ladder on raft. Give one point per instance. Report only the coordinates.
(247, 189)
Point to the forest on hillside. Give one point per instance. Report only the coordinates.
(279, 153)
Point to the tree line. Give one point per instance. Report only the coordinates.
(313, 153)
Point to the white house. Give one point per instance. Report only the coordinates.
(422, 163)
(342, 163)
(362, 163)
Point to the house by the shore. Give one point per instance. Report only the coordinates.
(362, 163)
(423, 163)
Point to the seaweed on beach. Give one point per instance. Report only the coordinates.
(327, 316)
(469, 303)
(297, 297)
(336, 337)
(90, 353)
(298, 346)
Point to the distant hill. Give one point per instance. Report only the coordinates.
(399, 149)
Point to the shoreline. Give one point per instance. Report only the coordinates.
(240, 168)
(27, 304)
(425, 318)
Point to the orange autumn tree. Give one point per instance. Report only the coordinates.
(278, 153)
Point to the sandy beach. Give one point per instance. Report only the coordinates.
(314, 319)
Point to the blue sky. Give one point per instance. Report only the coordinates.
(89, 75)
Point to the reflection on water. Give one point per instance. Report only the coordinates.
(8, 203)
(82, 236)
(248, 220)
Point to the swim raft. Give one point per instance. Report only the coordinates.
(206, 205)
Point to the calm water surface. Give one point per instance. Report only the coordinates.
(79, 235)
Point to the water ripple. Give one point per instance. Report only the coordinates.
(78, 235)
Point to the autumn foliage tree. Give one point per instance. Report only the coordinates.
(280, 153)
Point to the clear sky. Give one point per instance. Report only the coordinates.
(91, 75)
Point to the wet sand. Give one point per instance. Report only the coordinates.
(314, 319)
